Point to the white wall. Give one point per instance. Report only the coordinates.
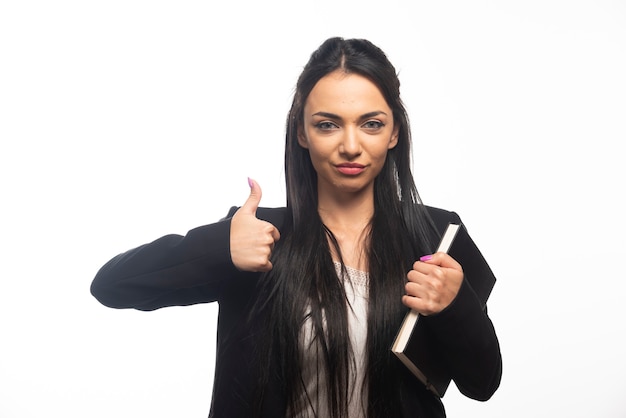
(122, 121)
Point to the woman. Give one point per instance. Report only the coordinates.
(312, 295)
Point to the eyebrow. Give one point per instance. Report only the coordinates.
(364, 116)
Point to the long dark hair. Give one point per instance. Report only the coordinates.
(304, 285)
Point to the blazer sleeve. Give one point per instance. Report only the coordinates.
(468, 345)
(172, 270)
(466, 338)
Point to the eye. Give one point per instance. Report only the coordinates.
(325, 126)
(373, 125)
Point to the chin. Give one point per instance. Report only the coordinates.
(347, 188)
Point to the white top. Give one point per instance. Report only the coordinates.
(356, 286)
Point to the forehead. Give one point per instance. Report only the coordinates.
(339, 92)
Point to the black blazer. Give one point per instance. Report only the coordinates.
(197, 268)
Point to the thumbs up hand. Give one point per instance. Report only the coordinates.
(251, 239)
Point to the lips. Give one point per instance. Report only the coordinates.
(350, 169)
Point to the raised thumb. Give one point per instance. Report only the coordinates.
(254, 199)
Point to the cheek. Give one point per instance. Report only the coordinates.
(379, 153)
(317, 152)
(315, 157)
(378, 162)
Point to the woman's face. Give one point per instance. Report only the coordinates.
(348, 129)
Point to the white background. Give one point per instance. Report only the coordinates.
(122, 121)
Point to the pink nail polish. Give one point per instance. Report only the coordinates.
(426, 257)
(250, 182)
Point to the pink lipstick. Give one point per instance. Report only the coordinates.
(350, 169)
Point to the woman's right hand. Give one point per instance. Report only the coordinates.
(251, 239)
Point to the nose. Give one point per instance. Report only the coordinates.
(350, 145)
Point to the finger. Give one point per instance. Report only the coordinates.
(415, 276)
(252, 204)
(275, 234)
(423, 306)
(265, 267)
(439, 259)
(414, 288)
(446, 261)
(270, 232)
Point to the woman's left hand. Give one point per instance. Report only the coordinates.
(433, 283)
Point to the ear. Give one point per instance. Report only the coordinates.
(302, 139)
(393, 141)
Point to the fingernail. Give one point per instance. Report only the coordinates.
(250, 182)
(426, 257)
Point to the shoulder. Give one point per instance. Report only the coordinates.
(442, 217)
(275, 216)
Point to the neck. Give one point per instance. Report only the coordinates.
(348, 217)
(348, 211)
